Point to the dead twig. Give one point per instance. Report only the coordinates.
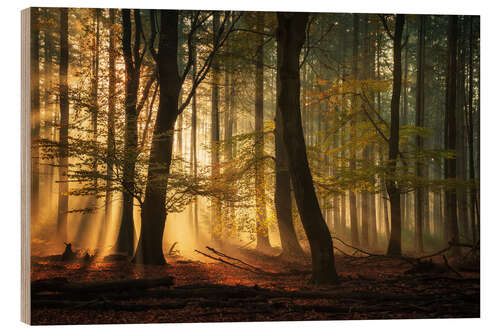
(170, 252)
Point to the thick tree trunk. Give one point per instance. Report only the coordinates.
(62, 214)
(282, 192)
(262, 229)
(125, 241)
(290, 38)
(394, 247)
(451, 223)
(153, 213)
(419, 122)
(35, 113)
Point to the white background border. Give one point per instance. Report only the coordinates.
(490, 126)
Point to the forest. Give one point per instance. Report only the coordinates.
(253, 166)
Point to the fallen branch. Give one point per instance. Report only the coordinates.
(411, 260)
(227, 262)
(235, 259)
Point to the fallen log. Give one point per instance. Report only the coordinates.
(245, 294)
(106, 305)
(63, 285)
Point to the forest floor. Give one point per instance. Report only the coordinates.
(272, 289)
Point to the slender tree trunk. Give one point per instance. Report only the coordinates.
(470, 134)
(194, 151)
(126, 234)
(230, 225)
(216, 223)
(47, 69)
(290, 38)
(419, 122)
(365, 204)
(352, 158)
(110, 138)
(405, 197)
(394, 247)
(260, 185)
(463, 221)
(95, 91)
(35, 113)
(62, 217)
(451, 223)
(153, 212)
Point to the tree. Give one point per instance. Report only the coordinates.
(282, 192)
(153, 210)
(352, 154)
(290, 36)
(419, 122)
(62, 217)
(133, 59)
(194, 140)
(260, 186)
(451, 223)
(394, 247)
(35, 111)
(110, 137)
(215, 136)
(470, 133)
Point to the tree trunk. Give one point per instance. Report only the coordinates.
(352, 158)
(394, 247)
(230, 225)
(194, 152)
(419, 122)
(153, 212)
(216, 223)
(365, 204)
(290, 38)
(110, 138)
(463, 221)
(35, 113)
(95, 91)
(125, 241)
(47, 69)
(470, 134)
(62, 216)
(282, 192)
(262, 229)
(451, 224)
